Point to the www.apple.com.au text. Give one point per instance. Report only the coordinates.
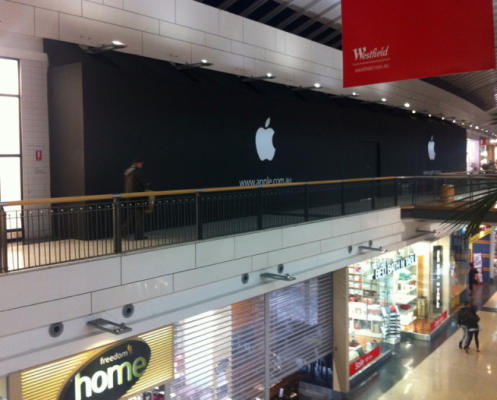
(266, 181)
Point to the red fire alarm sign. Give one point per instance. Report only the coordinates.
(38, 155)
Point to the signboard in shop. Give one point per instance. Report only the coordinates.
(118, 371)
(437, 277)
(389, 267)
(364, 360)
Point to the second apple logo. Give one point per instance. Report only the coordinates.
(264, 142)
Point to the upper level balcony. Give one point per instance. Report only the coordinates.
(35, 233)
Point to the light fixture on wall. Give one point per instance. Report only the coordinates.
(202, 63)
(426, 231)
(380, 249)
(278, 277)
(407, 105)
(383, 99)
(269, 75)
(115, 45)
(414, 111)
(313, 87)
(109, 326)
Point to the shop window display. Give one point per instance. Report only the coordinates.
(405, 290)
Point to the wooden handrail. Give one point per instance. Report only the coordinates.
(76, 199)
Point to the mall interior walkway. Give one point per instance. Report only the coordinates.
(439, 369)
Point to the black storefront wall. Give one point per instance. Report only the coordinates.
(200, 134)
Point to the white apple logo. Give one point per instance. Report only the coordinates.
(264, 142)
(431, 149)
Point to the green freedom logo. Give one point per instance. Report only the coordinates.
(111, 374)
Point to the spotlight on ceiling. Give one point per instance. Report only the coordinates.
(380, 249)
(414, 111)
(429, 115)
(202, 63)
(407, 105)
(115, 45)
(477, 127)
(443, 118)
(315, 86)
(269, 75)
(109, 326)
(384, 100)
(354, 94)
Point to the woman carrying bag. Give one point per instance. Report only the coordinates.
(474, 327)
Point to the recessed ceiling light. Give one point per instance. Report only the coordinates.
(383, 99)
(414, 111)
(477, 128)
(443, 118)
(429, 115)
(407, 105)
(269, 75)
(354, 94)
(317, 85)
(454, 121)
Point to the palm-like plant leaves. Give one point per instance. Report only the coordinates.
(472, 207)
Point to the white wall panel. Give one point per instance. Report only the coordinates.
(182, 33)
(151, 264)
(164, 10)
(297, 46)
(119, 17)
(17, 18)
(46, 24)
(26, 318)
(230, 26)
(163, 48)
(197, 16)
(306, 233)
(132, 293)
(365, 236)
(248, 50)
(338, 242)
(65, 6)
(114, 3)
(259, 35)
(93, 33)
(218, 42)
(48, 284)
(282, 59)
(215, 251)
(259, 262)
(293, 253)
(205, 275)
(257, 243)
(369, 220)
(346, 225)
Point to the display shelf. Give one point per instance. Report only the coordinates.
(404, 299)
(368, 332)
(408, 323)
(359, 316)
(407, 291)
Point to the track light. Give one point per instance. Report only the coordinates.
(426, 231)
(269, 75)
(443, 118)
(429, 115)
(115, 45)
(109, 326)
(407, 105)
(202, 63)
(414, 111)
(354, 94)
(380, 249)
(286, 277)
(315, 86)
(383, 100)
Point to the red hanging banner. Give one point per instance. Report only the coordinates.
(391, 40)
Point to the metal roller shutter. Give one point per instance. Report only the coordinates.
(301, 325)
(220, 354)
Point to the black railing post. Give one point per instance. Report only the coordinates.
(373, 195)
(199, 209)
(471, 189)
(343, 199)
(395, 192)
(116, 224)
(3, 240)
(306, 201)
(260, 209)
(414, 191)
(434, 188)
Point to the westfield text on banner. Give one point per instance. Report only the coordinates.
(391, 40)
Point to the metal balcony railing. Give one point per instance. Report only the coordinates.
(41, 232)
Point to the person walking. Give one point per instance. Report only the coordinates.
(135, 182)
(473, 272)
(461, 314)
(472, 322)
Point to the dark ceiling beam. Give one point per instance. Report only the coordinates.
(253, 7)
(226, 4)
(297, 14)
(328, 25)
(316, 18)
(331, 36)
(276, 11)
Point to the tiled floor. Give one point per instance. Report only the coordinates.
(439, 369)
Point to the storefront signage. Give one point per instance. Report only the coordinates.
(364, 360)
(435, 324)
(386, 268)
(110, 374)
(382, 44)
(437, 277)
(117, 371)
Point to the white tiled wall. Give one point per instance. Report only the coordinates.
(172, 283)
